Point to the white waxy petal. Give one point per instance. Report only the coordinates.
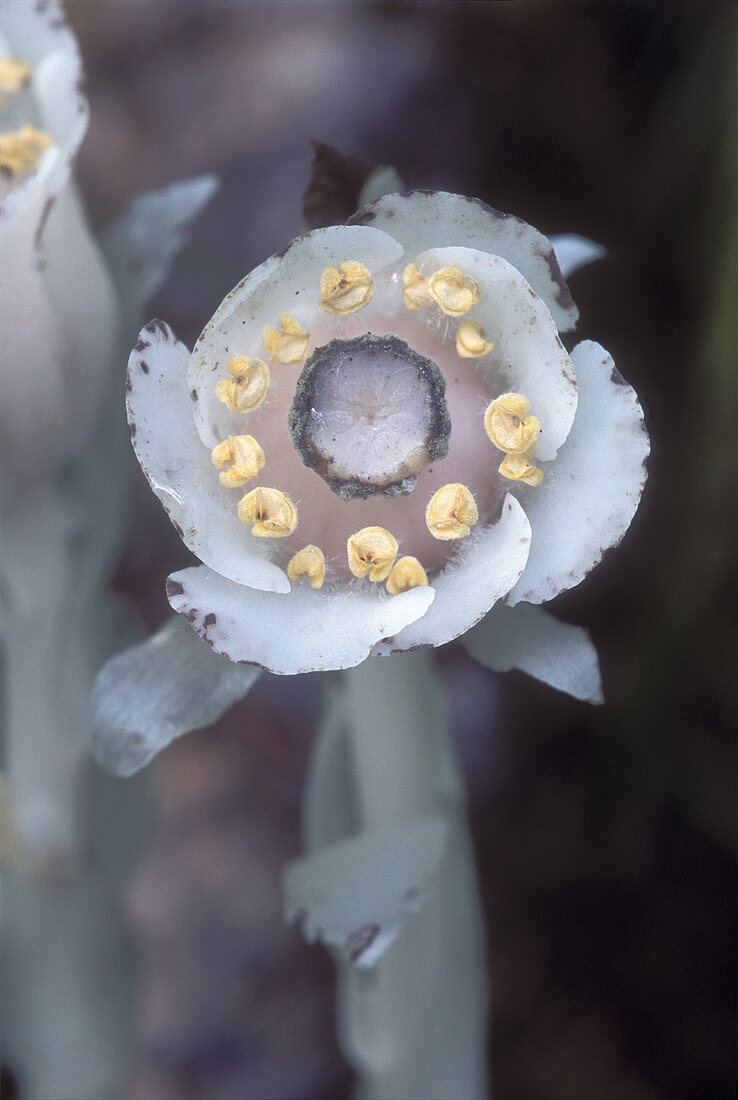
(573, 252)
(485, 569)
(179, 468)
(287, 281)
(527, 638)
(432, 219)
(590, 494)
(528, 355)
(154, 692)
(306, 631)
(39, 34)
(80, 292)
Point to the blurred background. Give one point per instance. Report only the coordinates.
(604, 836)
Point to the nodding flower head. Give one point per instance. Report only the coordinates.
(57, 310)
(380, 434)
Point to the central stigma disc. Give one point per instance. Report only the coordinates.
(368, 415)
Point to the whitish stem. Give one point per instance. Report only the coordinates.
(413, 1023)
(66, 965)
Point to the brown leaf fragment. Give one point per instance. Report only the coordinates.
(332, 195)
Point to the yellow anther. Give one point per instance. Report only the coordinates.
(246, 390)
(453, 290)
(308, 563)
(508, 426)
(20, 151)
(520, 468)
(287, 344)
(14, 74)
(346, 288)
(415, 288)
(244, 454)
(269, 512)
(451, 512)
(470, 341)
(372, 550)
(406, 573)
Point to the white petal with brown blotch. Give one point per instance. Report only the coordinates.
(179, 468)
(593, 488)
(305, 631)
(421, 220)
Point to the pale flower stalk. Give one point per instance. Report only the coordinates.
(59, 321)
(380, 444)
(388, 884)
(66, 966)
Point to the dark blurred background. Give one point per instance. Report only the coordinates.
(604, 836)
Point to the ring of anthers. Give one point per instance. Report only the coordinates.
(452, 512)
(20, 149)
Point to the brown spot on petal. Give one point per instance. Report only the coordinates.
(174, 588)
(617, 378)
(279, 255)
(487, 209)
(360, 940)
(144, 366)
(140, 344)
(563, 296)
(43, 219)
(158, 328)
(208, 620)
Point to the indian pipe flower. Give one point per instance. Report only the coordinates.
(57, 307)
(380, 435)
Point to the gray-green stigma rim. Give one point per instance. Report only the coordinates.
(302, 415)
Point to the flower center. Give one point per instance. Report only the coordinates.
(369, 414)
(352, 459)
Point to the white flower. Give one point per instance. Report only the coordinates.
(407, 396)
(57, 311)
